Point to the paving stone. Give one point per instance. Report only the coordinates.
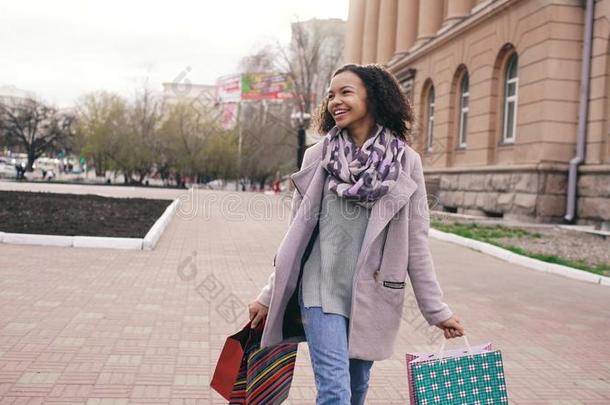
(102, 326)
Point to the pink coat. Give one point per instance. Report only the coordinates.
(395, 246)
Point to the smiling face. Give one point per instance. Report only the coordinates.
(347, 100)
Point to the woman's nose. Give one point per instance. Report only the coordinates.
(334, 103)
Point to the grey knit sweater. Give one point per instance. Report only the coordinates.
(329, 270)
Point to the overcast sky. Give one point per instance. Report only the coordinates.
(61, 49)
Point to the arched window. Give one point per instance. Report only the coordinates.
(511, 90)
(463, 121)
(430, 120)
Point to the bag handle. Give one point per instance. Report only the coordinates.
(442, 349)
(248, 333)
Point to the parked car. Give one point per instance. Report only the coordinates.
(215, 185)
(8, 170)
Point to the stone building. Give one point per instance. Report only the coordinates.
(507, 93)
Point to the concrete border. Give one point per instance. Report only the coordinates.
(147, 243)
(33, 239)
(524, 261)
(154, 233)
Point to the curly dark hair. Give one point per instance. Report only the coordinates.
(387, 102)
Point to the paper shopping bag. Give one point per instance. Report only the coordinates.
(246, 374)
(471, 375)
(230, 362)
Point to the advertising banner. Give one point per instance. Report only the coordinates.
(228, 88)
(229, 115)
(265, 86)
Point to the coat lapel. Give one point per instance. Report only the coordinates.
(310, 180)
(303, 177)
(385, 208)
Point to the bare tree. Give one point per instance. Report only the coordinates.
(309, 60)
(261, 60)
(101, 124)
(140, 144)
(268, 144)
(268, 140)
(331, 56)
(187, 136)
(314, 52)
(37, 127)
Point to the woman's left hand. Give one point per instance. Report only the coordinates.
(452, 327)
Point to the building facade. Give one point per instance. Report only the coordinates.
(500, 93)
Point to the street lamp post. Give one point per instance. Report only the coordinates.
(300, 120)
(300, 146)
(239, 146)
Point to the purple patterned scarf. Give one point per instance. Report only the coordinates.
(363, 174)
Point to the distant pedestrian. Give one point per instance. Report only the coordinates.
(358, 228)
(20, 169)
(276, 183)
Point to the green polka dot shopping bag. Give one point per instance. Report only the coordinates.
(466, 376)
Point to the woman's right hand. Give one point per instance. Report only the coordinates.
(452, 327)
(258, 312)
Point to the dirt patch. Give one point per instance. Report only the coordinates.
(78, 214)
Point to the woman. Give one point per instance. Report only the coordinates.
(359, 225)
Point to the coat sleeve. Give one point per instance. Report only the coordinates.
(421, 270)
(264, 297)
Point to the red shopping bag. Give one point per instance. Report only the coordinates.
(230, 360)
(247, 374)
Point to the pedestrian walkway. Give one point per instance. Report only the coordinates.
(103, 190)
(102, 326)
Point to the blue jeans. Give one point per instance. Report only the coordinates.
(339, 380)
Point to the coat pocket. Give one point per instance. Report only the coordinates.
(377, 314)
(391, 281)
(397, 285)
(392, 298)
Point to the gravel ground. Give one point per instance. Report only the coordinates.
(571, 245)
(567, 244)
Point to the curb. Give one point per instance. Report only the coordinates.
(107, 243)
(520, 260)
(33, 239)
(154, 233)
(147, 243)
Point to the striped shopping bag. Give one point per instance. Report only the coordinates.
(246, 374)
(471, 375)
